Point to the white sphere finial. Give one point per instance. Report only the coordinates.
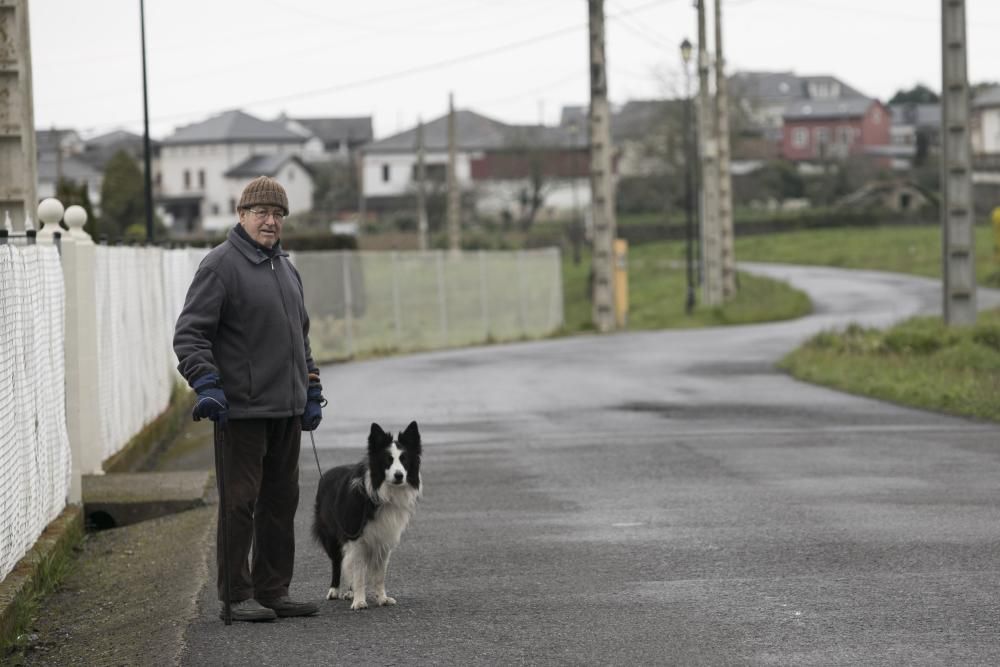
(50, 211)
(75, 217)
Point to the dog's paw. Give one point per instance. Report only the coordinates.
(385, 600)
(347, 595)
(359, 604)
(332, 594)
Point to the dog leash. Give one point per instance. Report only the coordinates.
(313, 438)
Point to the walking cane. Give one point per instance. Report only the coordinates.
(220, 478)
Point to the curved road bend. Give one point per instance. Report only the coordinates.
(659, 498)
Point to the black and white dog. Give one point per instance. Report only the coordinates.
(362, 510)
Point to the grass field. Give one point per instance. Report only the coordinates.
(901, 249)
(657, 289)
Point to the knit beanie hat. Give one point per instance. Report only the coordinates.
(264, 190)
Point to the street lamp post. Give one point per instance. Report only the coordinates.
(148, 176)
(688, 179)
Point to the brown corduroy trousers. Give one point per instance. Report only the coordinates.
(262, 495)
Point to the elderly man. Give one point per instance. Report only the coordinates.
(243, 344)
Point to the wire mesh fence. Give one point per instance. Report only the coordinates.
(371, 302)
(34, 446)
(359, 303)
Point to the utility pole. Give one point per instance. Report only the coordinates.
(421, 192)
(602, 199)
(454, 227)
(728, 253)
(957, 216)
(18, 167)
(147, 160)
(711, 242)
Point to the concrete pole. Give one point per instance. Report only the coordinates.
(957, 214)
(454, 201)
(18, 168)
(602, 196)
(711, 242)
(421, 190)
(726, 231)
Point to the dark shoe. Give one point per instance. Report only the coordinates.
(285, 606)
(248, 610)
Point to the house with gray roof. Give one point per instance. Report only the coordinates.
(819, 130)
(499, 163)
(204, 166)
(763, 98)
(340, 138)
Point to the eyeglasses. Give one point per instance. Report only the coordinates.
(260, 214)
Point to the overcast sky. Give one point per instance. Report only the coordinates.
(517, 61)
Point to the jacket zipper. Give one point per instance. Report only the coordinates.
(284, 306)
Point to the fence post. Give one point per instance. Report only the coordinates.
(442, 295)
(484, 294)
(397, 316)
(82, 391)
(521, 305)
(345, 256)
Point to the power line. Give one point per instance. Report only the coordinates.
(410, 71)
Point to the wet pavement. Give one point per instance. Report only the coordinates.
(653, 498)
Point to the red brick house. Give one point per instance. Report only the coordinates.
(835, 129)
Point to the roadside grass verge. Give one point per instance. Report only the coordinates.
(912, 249)
(35, 577)
(920, 362)
(657, 294)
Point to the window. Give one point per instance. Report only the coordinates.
(201, 179)
(821, 135)
(876, 116)
(232, 205)
(187, 179)
(845, 135)
(215, 209)
(385, 173)
(433, 173)
(800, 137)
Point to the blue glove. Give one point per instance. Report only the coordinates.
(313, 414)
(211, 402)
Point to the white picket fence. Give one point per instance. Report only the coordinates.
(69, 403)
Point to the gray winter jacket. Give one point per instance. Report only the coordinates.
(245, 320)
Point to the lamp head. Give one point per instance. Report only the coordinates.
(686, 50)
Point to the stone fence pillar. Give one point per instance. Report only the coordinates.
(82, 389)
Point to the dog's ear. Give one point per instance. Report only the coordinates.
(410, 438)
(377, 436)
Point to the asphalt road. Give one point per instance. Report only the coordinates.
(658, 498)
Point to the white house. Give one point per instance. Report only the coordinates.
(203, 167)
(493, 160)
(985, 126)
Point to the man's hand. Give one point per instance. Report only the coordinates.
(211, 402)
(314, 408)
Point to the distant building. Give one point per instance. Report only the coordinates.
(985, 122)
(831, 129)
(338, 138)
(494, 160)
(60, 157)
(762, 98)
(201, 166)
